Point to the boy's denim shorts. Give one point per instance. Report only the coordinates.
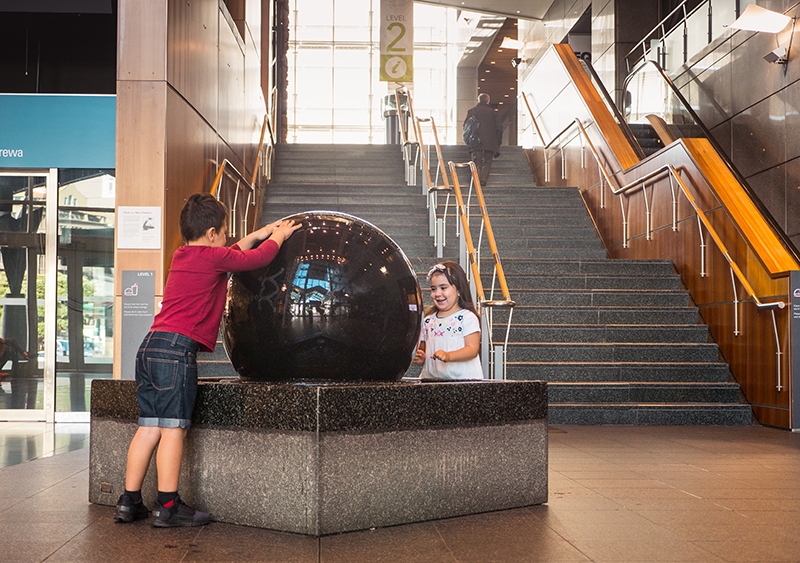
(166, 379)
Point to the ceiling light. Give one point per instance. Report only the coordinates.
(756, 18)
(509, 43)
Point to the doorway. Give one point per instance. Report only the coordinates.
(56, 291)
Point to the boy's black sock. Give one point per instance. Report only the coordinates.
(165, 499)
(135, 496)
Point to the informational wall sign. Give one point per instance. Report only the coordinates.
(794, 326)
(397, 41)
(138, 305)
(139, 227)
(57, 131)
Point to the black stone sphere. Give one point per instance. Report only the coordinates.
(340, 302)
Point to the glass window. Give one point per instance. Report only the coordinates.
(85, 285)
(22, 224)
(334, 55)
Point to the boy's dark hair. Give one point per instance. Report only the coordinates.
(456, 276)
(200, 213)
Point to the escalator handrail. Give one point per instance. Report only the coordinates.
(626, 129)
(787, 243)
(639, 183)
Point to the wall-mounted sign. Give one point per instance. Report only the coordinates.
(138, 305)
(57, 131)
(397, 41)
(794, 342)
(139, 227)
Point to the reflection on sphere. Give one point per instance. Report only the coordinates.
(340, 302)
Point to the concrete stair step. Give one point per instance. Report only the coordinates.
(696, 333)
(586, 372)
(518, 282)
(605, 315)
(341, 179)
(611, 352)
(601, 298)
(638, 392)
(644, 414)
(534, 253)
(587, 266)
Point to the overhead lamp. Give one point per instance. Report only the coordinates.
(756, 18)
(509, 43)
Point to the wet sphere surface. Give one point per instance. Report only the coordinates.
(340, 302)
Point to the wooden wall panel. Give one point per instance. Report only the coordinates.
(255, 107)
(192, 54)
(140, 158)
(231, 96)
(192, 149)
(142, 40)
(140, 165)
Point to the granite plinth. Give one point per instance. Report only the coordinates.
(323, 459)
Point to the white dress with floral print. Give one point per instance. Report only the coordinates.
(448, 334)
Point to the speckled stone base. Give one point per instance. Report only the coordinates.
(323, 459)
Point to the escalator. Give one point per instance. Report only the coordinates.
(684, 202)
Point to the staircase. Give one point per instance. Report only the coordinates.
(619, 341)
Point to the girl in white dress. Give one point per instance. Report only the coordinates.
(451, 330)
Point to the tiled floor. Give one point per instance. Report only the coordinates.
(616, 494)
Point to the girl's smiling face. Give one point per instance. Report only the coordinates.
(444, 295)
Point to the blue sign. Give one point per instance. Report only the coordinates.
(57, 131)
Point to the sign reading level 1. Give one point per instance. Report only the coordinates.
(397, 40)
(138, 305)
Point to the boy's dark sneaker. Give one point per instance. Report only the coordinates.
(129, 511)
(178, 514)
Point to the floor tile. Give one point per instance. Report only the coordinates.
(616, 494)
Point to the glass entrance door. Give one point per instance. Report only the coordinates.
(25, 384)
(56, 291)
(85, 282)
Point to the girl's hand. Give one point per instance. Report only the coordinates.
(441, 355)
(419, 358)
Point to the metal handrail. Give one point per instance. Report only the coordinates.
(787, 243)
(618, 117)
(660, 24)
(506, 301)
(639, 183)
(228, 168)
(421, 143)
(400, 115)
(533, 119)
(410, 170)
(440, 165)
(485, 306)
(264, 126)
(437, 228)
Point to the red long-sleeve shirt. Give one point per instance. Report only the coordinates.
(194, 296)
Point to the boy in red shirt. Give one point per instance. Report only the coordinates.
(166, 368)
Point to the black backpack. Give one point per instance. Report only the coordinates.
(470, 133)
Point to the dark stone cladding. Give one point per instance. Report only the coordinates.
(365, 406)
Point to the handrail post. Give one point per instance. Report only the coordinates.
(779, 387)
(735, 305)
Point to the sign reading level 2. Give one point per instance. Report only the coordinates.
(397, 40)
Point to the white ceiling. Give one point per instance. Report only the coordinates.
(525, 9)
